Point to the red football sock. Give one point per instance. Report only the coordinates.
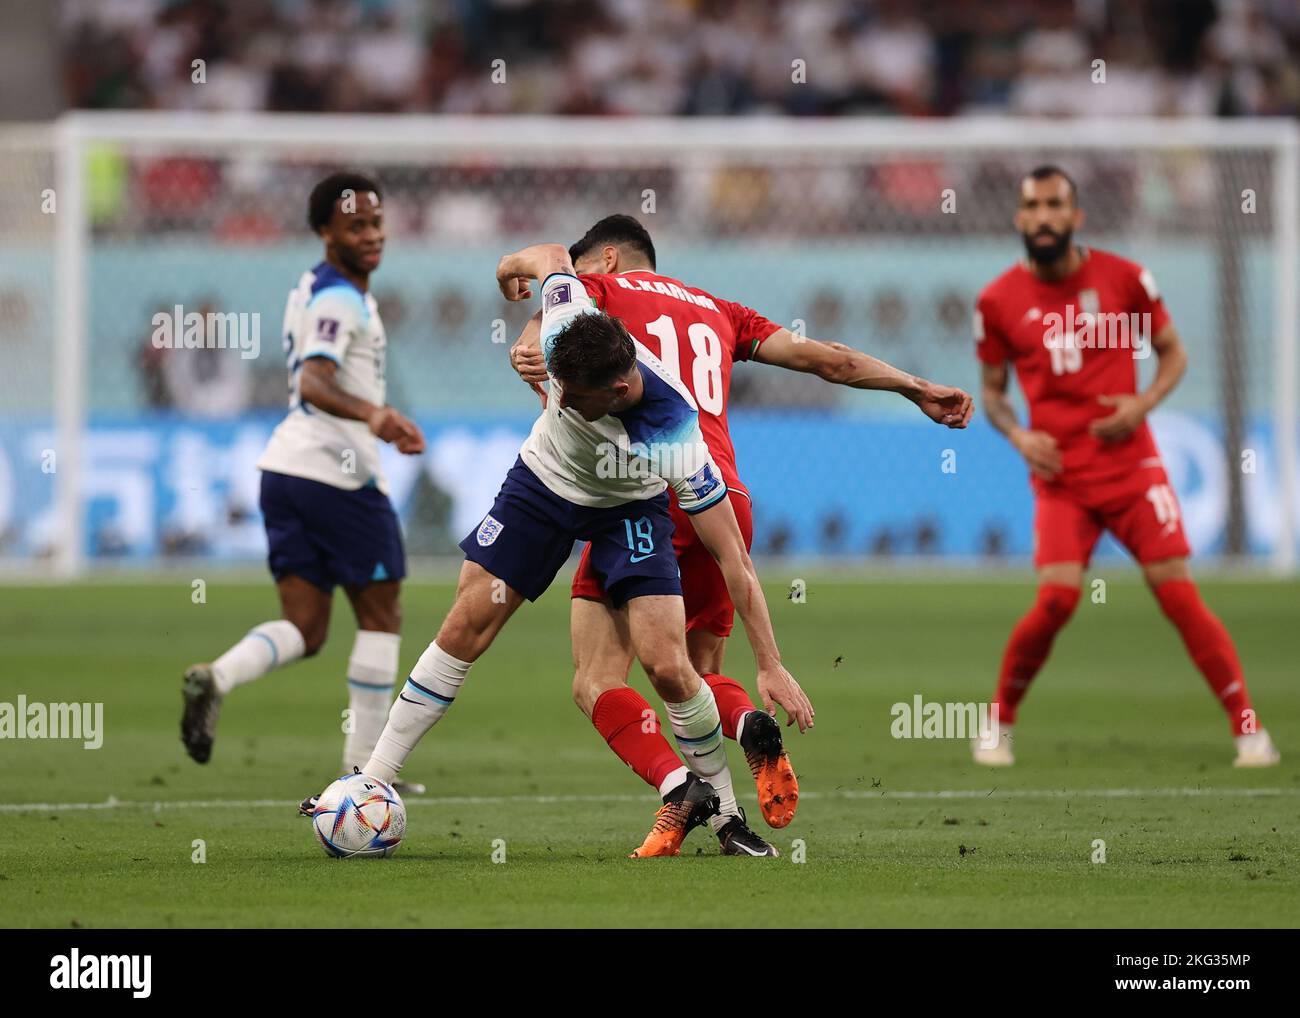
(623, 716)
(733, 702)
(1030, 643)
(1210, 647)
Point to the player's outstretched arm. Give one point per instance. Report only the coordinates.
(1037, 447)
(1130, 410)
(843, 365)
(718, 529)
(317, 386)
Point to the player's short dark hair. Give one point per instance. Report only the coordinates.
(1048, 170)
(320, 206)
(619, 230)
(592, 350)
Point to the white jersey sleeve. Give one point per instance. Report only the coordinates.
(564, 298)
(693, 475)
(332, 320)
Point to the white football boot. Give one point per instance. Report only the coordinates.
(1256, 749)
(999, 755)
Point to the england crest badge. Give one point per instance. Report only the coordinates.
(488, 530)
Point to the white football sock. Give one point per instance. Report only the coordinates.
(435, 680)
(698, 729)
(371, 671)
(266, 647)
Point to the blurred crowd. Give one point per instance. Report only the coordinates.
(1051, 58)
(811, 57)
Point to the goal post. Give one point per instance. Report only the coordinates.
(70, 344)
(874, 232)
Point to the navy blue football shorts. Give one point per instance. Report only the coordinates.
(330, 536)
(529, 534)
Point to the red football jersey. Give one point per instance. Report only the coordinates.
(1070, 342)
(696, 335)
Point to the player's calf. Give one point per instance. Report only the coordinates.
(428, 694)
(656, 625)
(471, 625)
(372, 671)
(1031, 643)
(630, 727)
(733, 702)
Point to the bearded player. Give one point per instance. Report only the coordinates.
(1093, 461)
(324, 499)
(699, 338)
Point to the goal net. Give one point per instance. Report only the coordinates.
(878, 234)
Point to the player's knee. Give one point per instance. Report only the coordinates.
(581, 698)
(314, 633)
(1058, 601)
(587, 689)
(1165, 570)
(706, 651)
(671, 675)
(386, 619)
(466, 633)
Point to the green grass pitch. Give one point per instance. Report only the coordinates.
(1119, 741)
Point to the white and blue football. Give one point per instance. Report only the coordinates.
(359, 817)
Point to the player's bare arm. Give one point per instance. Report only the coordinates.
(526, 354)
(843, 365)
(526, 357)
(514, 272)
(1038, 448)
(1131, 410)
(319, 387)
(537, 261)
(718, 529)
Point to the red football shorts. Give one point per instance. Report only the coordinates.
(1141, 510)
(708, 605)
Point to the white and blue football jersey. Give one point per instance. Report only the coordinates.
(327, 316)
(627, 456)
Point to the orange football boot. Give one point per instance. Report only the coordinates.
(689, 805)
(778, 788)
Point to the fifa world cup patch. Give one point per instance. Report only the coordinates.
(560, 294)
(489, 530)
(703, 482)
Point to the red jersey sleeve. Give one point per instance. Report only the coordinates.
(991, 345)
(749, 327)
(1146, 297)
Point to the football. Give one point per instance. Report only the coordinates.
(359, 816)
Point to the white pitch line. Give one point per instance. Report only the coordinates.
(487, 800)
